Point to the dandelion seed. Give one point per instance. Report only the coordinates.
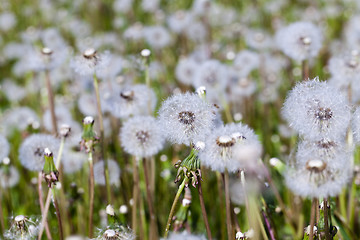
(186, 118)
(185, 70)
(157, 37)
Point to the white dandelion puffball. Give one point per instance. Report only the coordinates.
(132, 101)
(333, 154)
(186, 118)
(317, 111)
(19, 118)
(185, 70)
(300, 40)
(356, 125)
(4, 148)
(31, 152)
(316, 179)
(184, 236)
(9, 177)
(142, 136)
(90, 62)
(219, 153)
(114, 172)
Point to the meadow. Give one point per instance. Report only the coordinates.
(181, 119)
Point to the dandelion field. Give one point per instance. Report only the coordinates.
(149, 119)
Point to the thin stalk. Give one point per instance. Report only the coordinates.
(326, 221)
(51, 102)
(102, 139)
(262, 229)
(135, 195)
(351, 204)
(58, 216)
(203, 211)
(142, 222)
(305, 70)
(227, 203)
(2, 221)
(48, 198)
(221, 201)
(91, 210)
(172, 211)
(317, 212)
(235, 220)
(41, 201)
(268, 225)
(153, 234)
(312, 219)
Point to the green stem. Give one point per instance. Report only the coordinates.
(91, 207)
(172, 211)
(102, 139)
(58, 216)
(48, 198)
(153, 225)
(51, 102)
(135, 195)
(227, 204)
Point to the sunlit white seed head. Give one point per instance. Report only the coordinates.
(145, 52)
(186, 118)
(142, 136)
(110, 210)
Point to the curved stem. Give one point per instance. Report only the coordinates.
(47, 231)
(203, 210)
(172, 211)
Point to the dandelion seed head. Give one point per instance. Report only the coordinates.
(185, 70)
(300, 40)
(9, 177)
(31, 151)
(90, 62)
(132, 101)
(317, 111)
(18, 118)
(220, 145)
(186, 118)
(142, 136)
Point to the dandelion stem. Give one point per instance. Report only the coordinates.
(102, 139)
(221, 200)
(326, 220)
(41, 201)
(48, 198)
(312, 219)
(135, 194)
(91, 210)
(172, 211)
(51, 102)
(58, 216)
(227, 203)
(153, 225)
(2, 222)
(305, 70)
(203, 210)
